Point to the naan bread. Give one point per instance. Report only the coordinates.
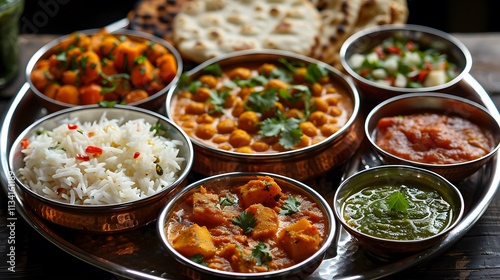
(338, 20)
(155, 17)
(204, 29)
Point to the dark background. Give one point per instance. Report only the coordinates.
(66, 16)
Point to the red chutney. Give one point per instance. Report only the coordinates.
(433, 138)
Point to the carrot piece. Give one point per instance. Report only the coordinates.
(168, 67)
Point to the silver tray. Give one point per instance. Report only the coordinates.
(138, 254)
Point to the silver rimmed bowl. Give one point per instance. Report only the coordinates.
(103, 216)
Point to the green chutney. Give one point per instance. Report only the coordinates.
(426, 213)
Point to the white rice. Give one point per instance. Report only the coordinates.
(54, 169)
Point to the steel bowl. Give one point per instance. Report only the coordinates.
(366, 39)
(226, 181)
(154, 102)
(438, 103)
(100, 218)
(386, 249)
(301, 164)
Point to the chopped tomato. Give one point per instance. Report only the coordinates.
(365, 72)
(380, 52)
(393, 49)
(93, 150)
(136, 155)
(391, 80)
(72, 126)
(410, 45)
(25, 143)
(82, 157)
(422, 74)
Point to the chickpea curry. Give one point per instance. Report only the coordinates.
(249, 227)
(261, 108)
(103, 67)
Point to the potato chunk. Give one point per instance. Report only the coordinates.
(266, 224)
(193, 241)
(300, 240)
(263, 190)
(205, 209)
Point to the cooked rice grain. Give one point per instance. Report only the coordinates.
(56, 168)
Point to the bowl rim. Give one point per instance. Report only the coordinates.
(404, 27)
(342, 78)
(434, 95)
(115, 206)
(165, 211)
(338, 205)
(42, 51)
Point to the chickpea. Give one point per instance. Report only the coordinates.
(260, 146)
(202, 94)
(275, 83)
(240, 72)
(308, 128)
(205, 131)
(320, 104)
(266, 68)
(278, 147)
(245, 150)
(185, 94)
(219, 139)
(189, 124)
(329, 129)
(333, 100)
(331, 89)
(304, 142)
(195, 108)
(239, 138)
(294, 113)
(300, 76)
(239, 108)
(209, 80)
(205, 118)
(245, 93)
(225, 147)
(318, 118)
(248, 121)
(226, 126)
(335, 111)
(317, 89)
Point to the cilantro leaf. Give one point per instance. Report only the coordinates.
(262, 253)
(291, 206)
(315, 73)
(198, 258)
(246, 221)
(213, 69)
(397, 202)
(218, 98)
(261, 101)
(287, 129)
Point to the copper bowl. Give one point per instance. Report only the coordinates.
(301, 164)
(386, 249)
(365, 40)
(437, 103)
(226, 181)
(107, 218)
(154, 102)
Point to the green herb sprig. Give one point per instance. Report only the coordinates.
(246, 221)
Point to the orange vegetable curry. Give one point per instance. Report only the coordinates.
(254, 227)
(261, 108)
(433, 138)
(88, 69)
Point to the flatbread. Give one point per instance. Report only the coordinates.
(338, 21)
(155, 17)
(204, 29)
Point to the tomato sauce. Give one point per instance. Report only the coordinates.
(433, 138)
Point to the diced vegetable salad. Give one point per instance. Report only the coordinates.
(404, 63)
